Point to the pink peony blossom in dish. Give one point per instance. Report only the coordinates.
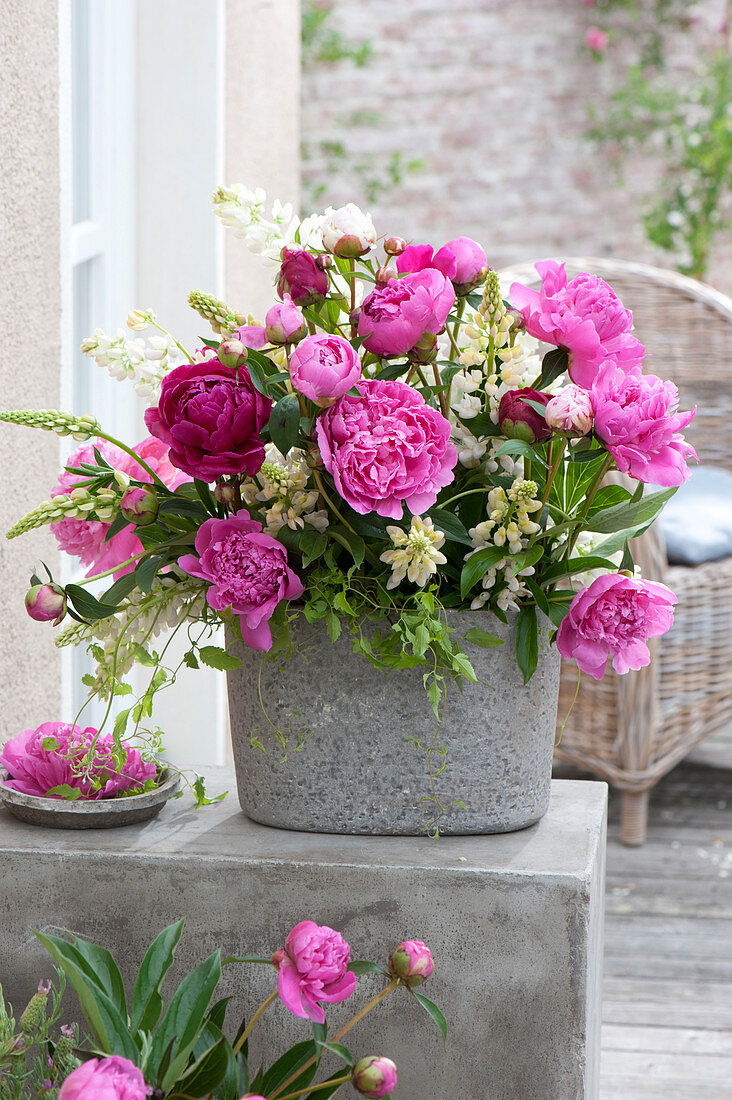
(584, 316)
(386, 448)
(301, 278)
(395, 316)
(56, 754)
(636, 418)
(596, 39)
(112, 1078)
(246, 570)
(463, 261)
(312, 969)
(612, 620)
(570, 411)
(324, 367)
(284, 323)
(210, 417)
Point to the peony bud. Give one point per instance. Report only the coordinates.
(46, 603)
(425, 350)
(471, 264)
(140, 506)
(411, 962)
(519, 420)
(570, 411)
(374, 1076)
(232, 353)
(324, 261)
(284, 323)
(224, 492)
(348, 231)
(385, 274)
(301, 277)
(394, 246)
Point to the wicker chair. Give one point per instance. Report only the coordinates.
(631, 730)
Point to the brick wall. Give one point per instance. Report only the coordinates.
(493, 96)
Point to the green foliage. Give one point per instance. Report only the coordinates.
(35, 1056)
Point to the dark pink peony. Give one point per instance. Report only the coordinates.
(612, 620)
(395, 316)
(324, 367)
(386, 448)
(518, 420)
(210, 417)
(636, 418)
(463, 261)
(312, 969)
(301, 278)
(246, 570)
(584, 316)
(35, 769)
(112, 1078)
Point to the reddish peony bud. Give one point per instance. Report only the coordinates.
(46, 603)
(224, 492)
(384, 275)
(301, 277)
(518, 420)
(232, 353)
(140, 506)
(324, 261)
(394, 246)
(374, 1076)
(411, 962)
(570, 411)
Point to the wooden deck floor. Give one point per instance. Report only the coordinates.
(667, 1006)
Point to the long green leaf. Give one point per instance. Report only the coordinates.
(622, 517)
(433, 1012)
(478, 565)
(527, 641)
(154, 967)
(450, 525)
(284, 423)
(291, 1061)
(184, 1017)
(106, 970)
(86, 604)
(578, 565)
(207, 1072)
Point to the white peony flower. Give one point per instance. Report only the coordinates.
(347, 231)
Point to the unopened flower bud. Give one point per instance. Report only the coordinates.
(46, 603)
(517, 319)
(232, 353)
(277, 958)
(34, 1014)
(570, 411)
(140, 506)
(374, 1076)
(324, 261)
(348, 232)
(394, 246)
(140, 319)
(224, 492)
(519, 420)
(384, 275)
(411, 962)
(425, 350)
(285, 323)
(301, 277)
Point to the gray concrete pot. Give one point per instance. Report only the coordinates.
(335, 750)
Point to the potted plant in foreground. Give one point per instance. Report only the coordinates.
(395, 499)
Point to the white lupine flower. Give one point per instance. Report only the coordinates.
(244, 211)
(416, 552)
(469, 405)
(281, 483)
(143, 362)
(140, 319)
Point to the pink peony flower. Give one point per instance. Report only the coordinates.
(596, 39)
(374, 1076)
(252, 336)
(313, 968)
(324, 367)
(570, 411)
(112, 1078)
(85, 539)
(210, 417)
(386, 448)
(46, 603)
(584, 316)
(411, 962)
(518, 420)
(395, 316)
(612, 620)
(301, 278)
(284, 323)
(463, 261)
(636, 418)
(246, 570)
(33, 769)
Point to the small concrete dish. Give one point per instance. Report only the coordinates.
(108, 813)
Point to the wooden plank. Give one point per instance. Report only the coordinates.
(699, 1069)
(646, 1001)
(667, 1040)
(623, 1088)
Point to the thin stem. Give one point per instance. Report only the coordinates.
(555, 464)
(441, 396)
(354, 326)
(322, 1085)
(179, 346)
(254, 1020)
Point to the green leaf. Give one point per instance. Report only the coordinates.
(554, 363)
(106, 970)
(119, 590)
(337, 1049)
(363, 966)
(333, 626)
(527, 641)
(154, 967)
(189, 659)
(351, 541)
(478, 565)
(482, 638)
(65, 790)
(519, 447)
(433, 1012)
(181, 506)
(558, 609)
(146, 571)
(482, 425)
(627, 560)
(86, 604)
(118, 524)
(578, 565)
(184, 1017)
(321, 1093)
(205, 496)
(214, 344)
(284, 423)
(215, 657)
(288, 1064)
(587, 456)
(450, 525)
(622, 517)
(207, 1072)
(312, 544)
(257, 372)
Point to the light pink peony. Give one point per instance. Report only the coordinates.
(636, 418)
(312, 969)
(112, 1078)
(246, 570)
(570, 411)
(395, 316)
(463, 261)
(386, 448)
(324, 367)
(33, 769)
(85, 539)
(284, 323)
(596, 39)
(584, 316)
(613, 619)
(411, 962)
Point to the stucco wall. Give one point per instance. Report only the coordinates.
(493, 96)
(30, 323)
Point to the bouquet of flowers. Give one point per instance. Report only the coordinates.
(396, 439)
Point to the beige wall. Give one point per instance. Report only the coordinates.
(30, 323)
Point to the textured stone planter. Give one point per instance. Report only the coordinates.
(335, 750)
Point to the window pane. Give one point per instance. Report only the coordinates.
(80, 110)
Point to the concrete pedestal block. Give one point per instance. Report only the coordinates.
(514, 922)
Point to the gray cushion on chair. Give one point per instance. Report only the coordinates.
(697, 521)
